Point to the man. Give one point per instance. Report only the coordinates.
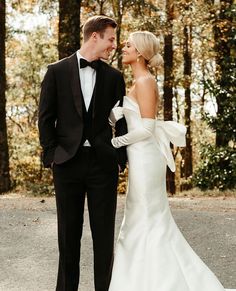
(75, 102)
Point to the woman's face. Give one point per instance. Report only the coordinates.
(129, 53)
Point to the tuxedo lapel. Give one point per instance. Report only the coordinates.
(75, 84)
(98, 90)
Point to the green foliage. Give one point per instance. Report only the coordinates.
(28, 55)
(27, 172)
(218, 164)
(217, 168)
(224, 122)
(223, 88)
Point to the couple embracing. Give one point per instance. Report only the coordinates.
(82, 100)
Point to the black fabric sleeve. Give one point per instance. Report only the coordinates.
(47, 117)
(121, 127)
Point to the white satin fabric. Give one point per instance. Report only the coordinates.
(151, 253)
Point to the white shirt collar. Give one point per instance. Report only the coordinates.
(79, 56)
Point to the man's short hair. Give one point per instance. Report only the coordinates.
(97, 24)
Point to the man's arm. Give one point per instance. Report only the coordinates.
(47, 117)
(121, 127)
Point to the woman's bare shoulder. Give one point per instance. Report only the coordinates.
(145, 80)
(146, 96)
(146, 86)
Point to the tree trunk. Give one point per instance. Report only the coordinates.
(118, 7)
(119, 46)
(188, 167)
(168, 81)
(4, 155)
(101, 3)
(69, 27)
(222, 35)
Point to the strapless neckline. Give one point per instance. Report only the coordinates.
(132, 99)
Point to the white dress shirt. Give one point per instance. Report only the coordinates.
(87, 81)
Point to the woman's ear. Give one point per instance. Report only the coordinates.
(138, 54)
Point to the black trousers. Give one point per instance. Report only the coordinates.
(73, 180)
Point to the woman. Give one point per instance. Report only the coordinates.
(151, 252)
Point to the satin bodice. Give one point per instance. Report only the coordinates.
(164, 131)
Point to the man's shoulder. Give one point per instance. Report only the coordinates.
(110, 68)
(62, 62)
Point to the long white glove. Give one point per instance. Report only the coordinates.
(144, 131)
(116, 114)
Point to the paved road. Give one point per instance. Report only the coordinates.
(28, 242)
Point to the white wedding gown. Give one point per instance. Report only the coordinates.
(151, 253)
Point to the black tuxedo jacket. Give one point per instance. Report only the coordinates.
(61, 117)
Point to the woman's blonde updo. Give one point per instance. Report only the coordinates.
(148, 46)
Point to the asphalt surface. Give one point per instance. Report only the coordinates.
(28, 240)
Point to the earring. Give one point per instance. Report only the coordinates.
(138, 59)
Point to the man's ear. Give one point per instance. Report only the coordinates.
(94, 35)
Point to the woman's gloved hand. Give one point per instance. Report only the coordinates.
(144, 131)
(116, 114)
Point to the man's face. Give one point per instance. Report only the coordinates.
(106, 44)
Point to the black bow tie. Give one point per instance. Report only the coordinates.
(93, 64)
